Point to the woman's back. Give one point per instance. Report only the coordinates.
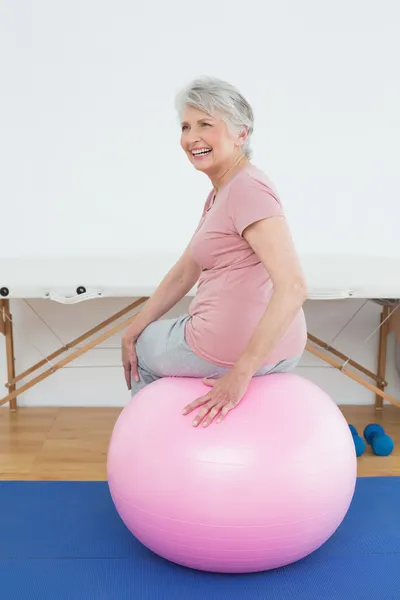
(234, 287)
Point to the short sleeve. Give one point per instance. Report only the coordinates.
(252, 201)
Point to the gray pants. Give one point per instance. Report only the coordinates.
(162, 351)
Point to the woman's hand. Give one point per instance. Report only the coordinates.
(129, 357)
(226, 393)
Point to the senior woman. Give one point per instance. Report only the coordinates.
(247, 317)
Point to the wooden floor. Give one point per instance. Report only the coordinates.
(71, 443)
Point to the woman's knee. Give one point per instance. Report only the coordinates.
(145, 378)
(136, 386)
(151, 347)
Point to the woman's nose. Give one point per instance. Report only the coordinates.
(193, 136)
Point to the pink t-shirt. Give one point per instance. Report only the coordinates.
(234, 287)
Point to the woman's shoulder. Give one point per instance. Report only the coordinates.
(252, 177)
(252, 198)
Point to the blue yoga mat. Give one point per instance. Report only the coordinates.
(64, 540)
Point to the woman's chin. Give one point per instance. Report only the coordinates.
(203, 166)
(202, 163)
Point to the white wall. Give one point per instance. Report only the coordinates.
(96, 379)
(89, 141)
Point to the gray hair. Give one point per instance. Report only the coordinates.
(210, 94)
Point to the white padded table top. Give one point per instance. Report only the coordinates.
(328, 276)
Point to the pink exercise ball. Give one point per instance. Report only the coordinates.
(264, 488)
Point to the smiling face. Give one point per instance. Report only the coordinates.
(210, 146)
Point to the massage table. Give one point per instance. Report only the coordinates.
(77, 279)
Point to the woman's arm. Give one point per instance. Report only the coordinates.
(175, 285)
(272, 242)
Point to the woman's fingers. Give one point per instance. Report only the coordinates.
(195, 404)
(204, 411)
(133, 361)
(126, 365)
(129, 360)
(212, 414)
(127, 373)
(224, 411)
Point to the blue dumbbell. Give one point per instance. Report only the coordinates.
(381, 444)
(359, 443)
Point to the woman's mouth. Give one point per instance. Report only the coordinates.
(200, 153)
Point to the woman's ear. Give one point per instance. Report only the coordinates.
(243, 135)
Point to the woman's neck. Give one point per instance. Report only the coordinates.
(228, 172)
